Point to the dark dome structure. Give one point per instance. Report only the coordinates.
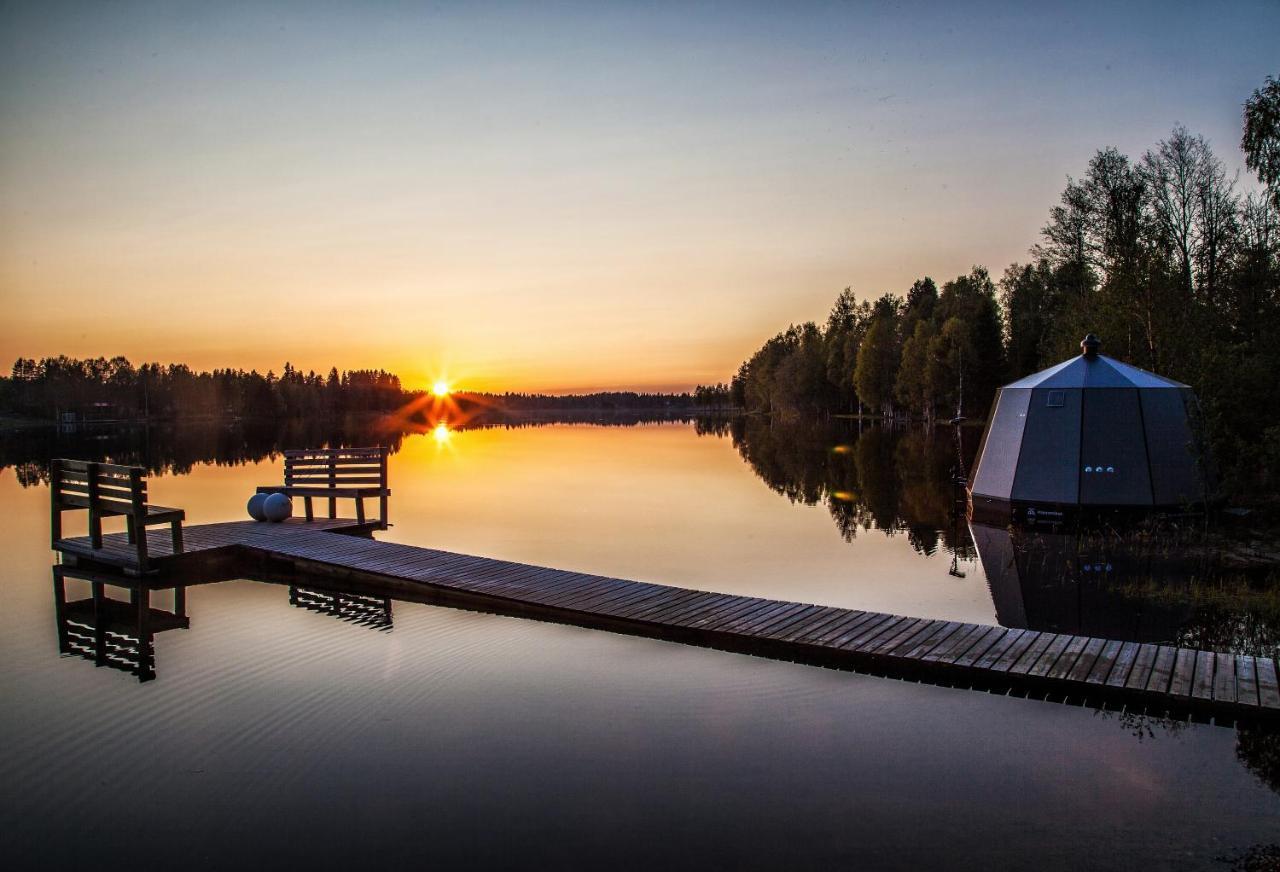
(1090, 432)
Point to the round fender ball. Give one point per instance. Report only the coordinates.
(277, 507)
(256, 510)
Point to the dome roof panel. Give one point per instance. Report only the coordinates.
(1097, 372)
(1140, 378)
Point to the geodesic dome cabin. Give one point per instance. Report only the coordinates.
(1090, 432)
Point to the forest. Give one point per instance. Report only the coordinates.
(72, 390)
(80, 390)
(1164, 256)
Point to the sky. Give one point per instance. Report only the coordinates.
(551, 196)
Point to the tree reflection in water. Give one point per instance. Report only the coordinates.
(892, 479)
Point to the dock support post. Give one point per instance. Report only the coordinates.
(146, 659)
(60, 609)
(99, 624)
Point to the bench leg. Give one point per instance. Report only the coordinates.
(306, 501)
(360, 509)
(177, 537)
(131, 529)
(55, 522)
(141, 545)
(382, 510)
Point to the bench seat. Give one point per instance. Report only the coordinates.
(155, 514)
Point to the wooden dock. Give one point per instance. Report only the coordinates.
(1113, 673)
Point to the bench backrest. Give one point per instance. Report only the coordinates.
(336, 467)
(103, 487)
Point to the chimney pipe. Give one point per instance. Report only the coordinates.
(1089, 346)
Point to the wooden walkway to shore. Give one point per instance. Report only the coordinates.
(1156, 678)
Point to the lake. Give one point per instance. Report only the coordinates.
(280, 729)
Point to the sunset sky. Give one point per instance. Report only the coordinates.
(553, 197)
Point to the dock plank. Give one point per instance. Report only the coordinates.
(855, 633)
(935, 639)
(1084, 664)
(763, 617)
(1268, 686)
(829, 617)
(1033, 654)
(1105, 663)
(1055, 650)
(869, 632)
(821, 636)
(919, 636)
(718, 619)
(1184, 670)
(1246, 681)
(781, 624)
(1162, 670)
(1124, 663)
(1140, 674)
(970, 655)
(1002, 644)
(1224, 677)
(906, 627)
(1015, 651)
(1202, 680)
(702, 612)
(961, 639)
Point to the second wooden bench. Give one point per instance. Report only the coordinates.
(333, 474)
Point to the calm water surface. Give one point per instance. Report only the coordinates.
(277, 735)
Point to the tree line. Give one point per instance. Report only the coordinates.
(1163, 256)
(703, 398)
(114, 389)
(102, 389)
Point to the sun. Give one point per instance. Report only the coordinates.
(441, 433)
(440, 388)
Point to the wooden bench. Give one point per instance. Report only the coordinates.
(333, 474)
(108, 490)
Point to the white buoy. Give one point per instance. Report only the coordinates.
(277, 507)
(255, 507)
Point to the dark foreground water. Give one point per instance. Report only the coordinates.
(279, 735)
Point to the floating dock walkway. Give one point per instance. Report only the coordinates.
(1155, 678)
